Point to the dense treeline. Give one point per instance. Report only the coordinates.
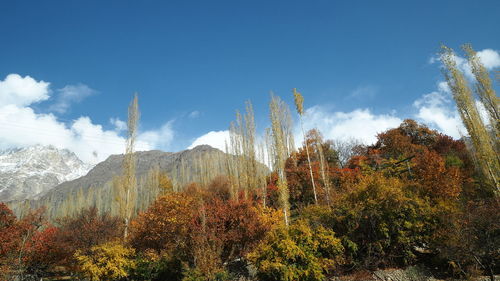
(328, 208)
(377, 212)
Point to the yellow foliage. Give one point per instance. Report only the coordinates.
(300, 252)
(165, 184)
(107, 261)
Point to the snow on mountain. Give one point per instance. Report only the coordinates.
(27, 172)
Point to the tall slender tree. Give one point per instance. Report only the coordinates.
(127, 190)
(484, 90)
(249, 147)
(299, 104)
(323, 166)
(282, 148)
(482, 142)
(242, 164)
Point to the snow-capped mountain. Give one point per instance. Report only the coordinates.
(27, 172)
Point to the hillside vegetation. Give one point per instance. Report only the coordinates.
(326, 208)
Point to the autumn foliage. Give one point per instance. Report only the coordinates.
(413, 197)
(203, 229)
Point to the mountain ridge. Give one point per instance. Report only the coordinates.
(27, 172)
(96, 188)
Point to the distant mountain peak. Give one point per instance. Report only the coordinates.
(29, 171)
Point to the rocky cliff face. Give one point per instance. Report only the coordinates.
(28, 172)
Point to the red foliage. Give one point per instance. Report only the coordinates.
(235, 226)
(17, 237)
(88, 228)
(272, 191)
(9, 231)
(43, 250)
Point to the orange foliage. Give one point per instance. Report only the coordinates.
(434, 178)
(298, 172)
(165, 225)
(408, 139)
(203, 228)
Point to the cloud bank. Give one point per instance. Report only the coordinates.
(21, 126)
(438, 111)
(359, 124)
(19, 91)
(216, 139)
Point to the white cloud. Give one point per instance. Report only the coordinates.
(436, 109)
(70, 94)
(359, 124)
(22, 91)
(119, 124)
(216, 139)
(21, 126)
(159, 139)
(490, 58)
(194, 114)
(444, 87)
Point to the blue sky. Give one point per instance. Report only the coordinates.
(194, 63)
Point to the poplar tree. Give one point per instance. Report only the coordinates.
(484, 89)
(242, 164)
(282, 148)
(249, 148)
(323, 167)
(483, 143)
(268, 158)
(235, 157)
(261, 175)
(128, 181)
(299, 104)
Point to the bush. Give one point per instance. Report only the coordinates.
(297, 253)
(201, 229)
(165, 226)
(151, 266)
(86, 229)
(385, 223)
(109, 261)
(379, 222)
